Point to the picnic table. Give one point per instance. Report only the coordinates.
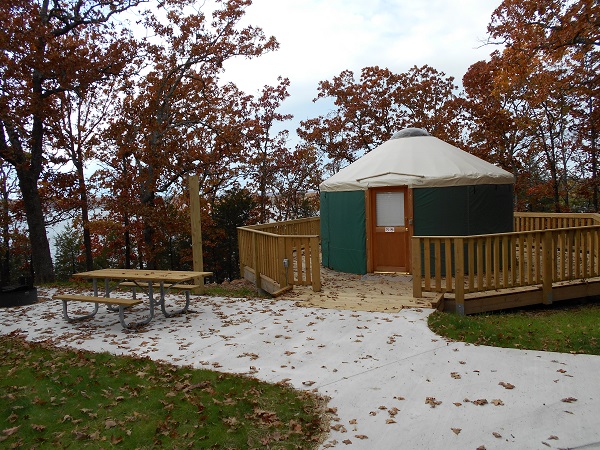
(150, 281)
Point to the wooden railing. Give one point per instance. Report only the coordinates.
(524, 221)
(307, 227)
(467, 264)
(278, 255)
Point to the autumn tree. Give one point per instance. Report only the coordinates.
(498, 118)
(178, 118)
(68, 260)
(520, 120)
(233, 208)
(554, 45)
(49, 48)
(296, 185)
(266, 146)
(7, 192)
(77, 133)
(368, 111)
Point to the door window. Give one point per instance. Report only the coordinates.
(390, 209)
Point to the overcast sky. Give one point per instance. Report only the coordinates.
(320, 38)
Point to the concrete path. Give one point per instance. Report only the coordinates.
(393, 383)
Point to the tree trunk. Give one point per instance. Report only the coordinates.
(5, 271)
(85, 220)
(40, 247)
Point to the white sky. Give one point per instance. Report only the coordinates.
(321, 38)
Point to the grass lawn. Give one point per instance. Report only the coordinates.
(57, 398)
(567, 328)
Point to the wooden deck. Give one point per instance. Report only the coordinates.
(549, 257)
(536, 264)
(370, 292)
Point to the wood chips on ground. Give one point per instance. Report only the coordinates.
(379, 292)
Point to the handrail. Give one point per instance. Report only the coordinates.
(529, 221)
(275, 261)
(467, 264)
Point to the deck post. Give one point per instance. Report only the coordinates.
(255, 254)
(315, 264)
(459, 275)
(547, 251)
(416, 267)
(281, 261)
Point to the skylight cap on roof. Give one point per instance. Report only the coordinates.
(409, 132)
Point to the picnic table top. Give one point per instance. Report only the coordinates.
(143, 275)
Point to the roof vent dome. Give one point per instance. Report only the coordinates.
(409, 132)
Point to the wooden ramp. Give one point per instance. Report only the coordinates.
(387, 292)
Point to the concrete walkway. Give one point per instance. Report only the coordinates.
(393, 383)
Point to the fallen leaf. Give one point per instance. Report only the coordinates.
(361, 436)
(10, 431)
(352, 422)
(431, 401)
(457, 404)
(37, 427)
(480, 402)
(308, 383)
(569, 400)
(347, 441)
(339, 427)
(496, 435)
(389, 421)
(506, 385)
(230, 421)
(552, 437)
(456, 430)
(497, 402)
(109, 423)
(455, 375)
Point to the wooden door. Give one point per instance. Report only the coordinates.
(389, 229)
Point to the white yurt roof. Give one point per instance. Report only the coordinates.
(415, 159)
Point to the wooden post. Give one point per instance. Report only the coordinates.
(315, 264)
(283, 273)
(547, 251)
(416, 267)
(198, 261)
(255, 252)
(459, 275)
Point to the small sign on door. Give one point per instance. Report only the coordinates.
(390, 229)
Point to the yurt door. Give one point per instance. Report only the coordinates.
(389, 229)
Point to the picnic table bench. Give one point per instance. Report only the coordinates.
(149, 280)
(122, 303)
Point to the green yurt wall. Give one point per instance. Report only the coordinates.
(463, 210)
(343, 231)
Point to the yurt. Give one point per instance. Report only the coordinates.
(411, 185)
